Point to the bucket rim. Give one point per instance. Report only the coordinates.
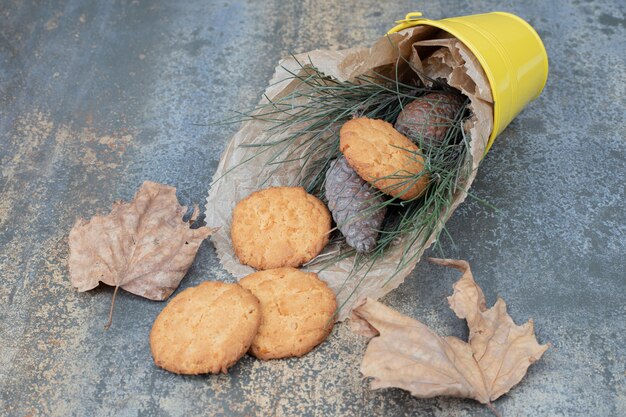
(415, 19)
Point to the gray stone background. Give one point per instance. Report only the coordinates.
(96, 97)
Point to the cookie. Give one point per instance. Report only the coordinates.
(383, 157)
(279, 226)
(297, 311)
(205, 329)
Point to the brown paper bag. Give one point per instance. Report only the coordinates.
(238, 174)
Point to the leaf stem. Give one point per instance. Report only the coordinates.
(108, 324)
(493, 409)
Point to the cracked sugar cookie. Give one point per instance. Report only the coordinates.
(384, 157)
(279, 226)
(297, 310)
(205, 329)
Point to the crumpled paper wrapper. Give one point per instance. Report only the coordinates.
(238, 174)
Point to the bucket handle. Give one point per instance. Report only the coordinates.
(410, 20)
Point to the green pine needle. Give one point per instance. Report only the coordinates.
(304, 125)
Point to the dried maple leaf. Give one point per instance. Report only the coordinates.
(144, 246)
(407, 354)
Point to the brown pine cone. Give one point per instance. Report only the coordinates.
(350, 199)
(429, 117)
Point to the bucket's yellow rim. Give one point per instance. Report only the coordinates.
(415, 19)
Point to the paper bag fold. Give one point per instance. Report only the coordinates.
(239, 172)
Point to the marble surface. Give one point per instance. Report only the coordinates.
(96, 97)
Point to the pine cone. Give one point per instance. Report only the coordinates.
(348, 196)
(429, 117)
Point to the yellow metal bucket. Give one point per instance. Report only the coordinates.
(510, 52)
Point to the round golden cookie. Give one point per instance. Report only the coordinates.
(383, 157)
(279, 226)
(297, 311)
(205, 329)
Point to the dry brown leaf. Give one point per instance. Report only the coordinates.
(143, 246)
(407, 354)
